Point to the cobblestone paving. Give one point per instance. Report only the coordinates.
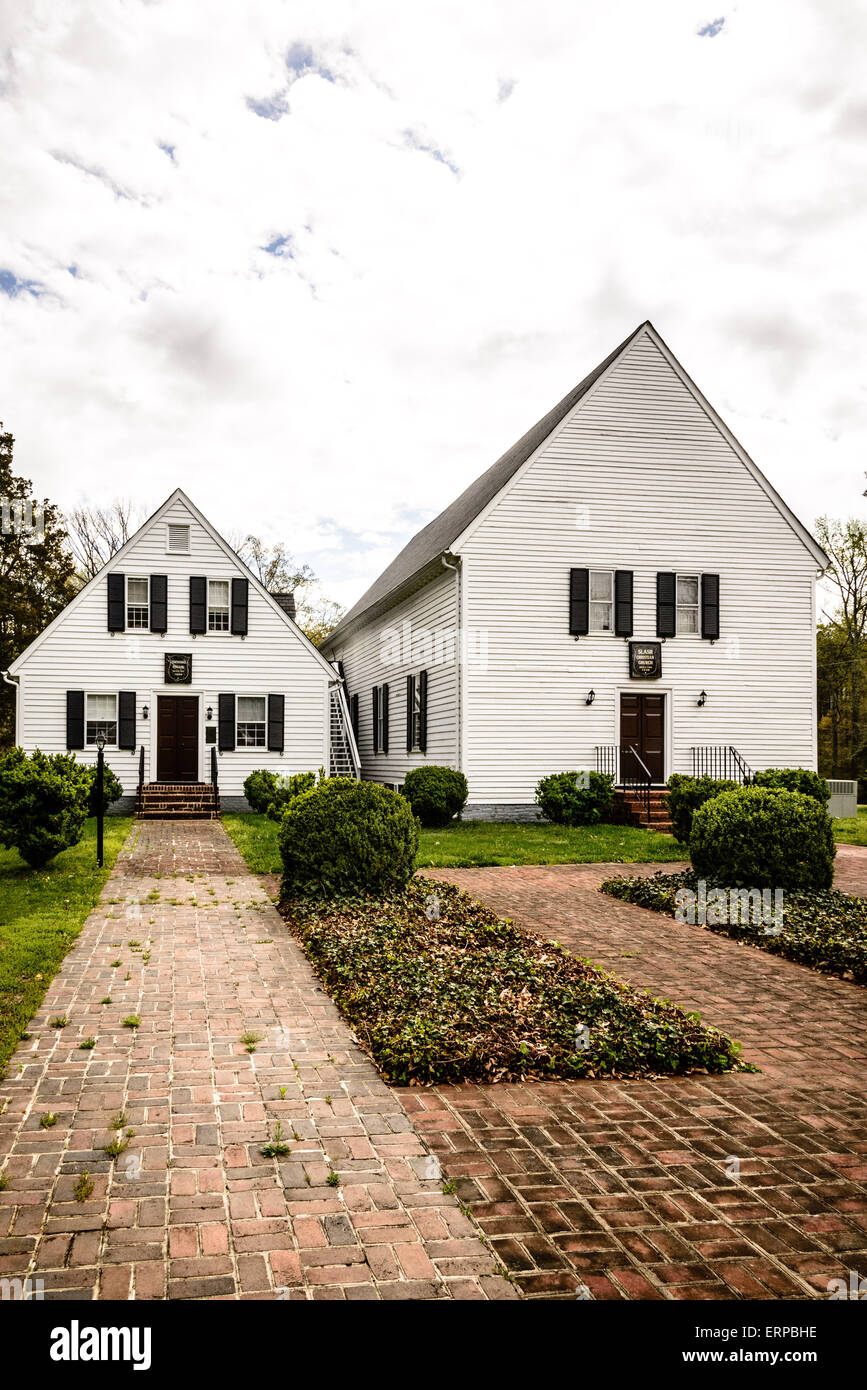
(185, 938)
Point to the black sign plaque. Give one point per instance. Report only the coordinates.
(645, 660)
(179, 668)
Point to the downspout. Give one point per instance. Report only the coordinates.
(459, 665)
(14, 681)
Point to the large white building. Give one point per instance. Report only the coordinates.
(624, 577)
(186, 665)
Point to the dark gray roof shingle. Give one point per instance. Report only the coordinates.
(441, 533)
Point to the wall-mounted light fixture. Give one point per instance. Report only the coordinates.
(591, 696)
(144, 711)
(210, 711)
(702, 699)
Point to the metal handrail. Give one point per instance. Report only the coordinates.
(609, 761)
(141, 771)
(214, 770)
(722, 762)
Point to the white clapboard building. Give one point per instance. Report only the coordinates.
(188, 668)
(623, 590)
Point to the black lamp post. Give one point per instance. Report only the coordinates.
(100, 767)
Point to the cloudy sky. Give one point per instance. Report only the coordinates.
(320, 264)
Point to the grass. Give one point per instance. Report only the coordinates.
(468, 843)
(41, 913)
(852, 830)
(825, 930)
(470, 997)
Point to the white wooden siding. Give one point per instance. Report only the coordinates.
(663, 490)
(427, 625)
(80, 654)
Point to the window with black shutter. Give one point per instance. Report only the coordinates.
(225, 723)
(353, 715)
(275, 723)
(159, 615)
(376, 719)
(579, 602)
(126, 719)
(623, 603)
(422, 711)
(410, 710)
(240, 590)
(116, 602)
(666, 620)
(383, 717)
(710, 606)
(198, 603)
(75, 718)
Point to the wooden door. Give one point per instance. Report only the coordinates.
(177, 738)
(642, 727)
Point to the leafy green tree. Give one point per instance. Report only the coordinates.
(37, 573)
(842, 650)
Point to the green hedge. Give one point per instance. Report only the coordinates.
(795, 779)
(761, 837)
(347, 837)
(685, 795)
(575, 798)
(436, 794)
(43, 803)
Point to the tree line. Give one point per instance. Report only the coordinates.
(43, 566)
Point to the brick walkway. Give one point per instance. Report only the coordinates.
(629, 1188)
(191, 1209)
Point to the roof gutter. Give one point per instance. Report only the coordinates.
(14, 681)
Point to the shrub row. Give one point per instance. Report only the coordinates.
(45, 800)
(575, 798)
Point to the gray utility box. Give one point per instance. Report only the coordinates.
(844, 797)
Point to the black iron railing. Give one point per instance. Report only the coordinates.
(629, 770)
(214, 771)
(720, 761)
(140, 771)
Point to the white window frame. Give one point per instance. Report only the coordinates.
(255, 695)
(102, 695)
(599, 631)
(227, 609)
(138, 627)
(696, 607)
(177, 526)
(380, 719)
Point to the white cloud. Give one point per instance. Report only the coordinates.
(472, 205)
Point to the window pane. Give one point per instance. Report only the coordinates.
(251, 708)
(218, 620)
(101, 706)
(687, 588)
(600, 617)
(687, 620)
(218, 593)
(600, 584)
(137, 591)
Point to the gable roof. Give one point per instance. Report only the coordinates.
(437, 538)
(114, 561)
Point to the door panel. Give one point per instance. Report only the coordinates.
(642, 727)
(177, 738)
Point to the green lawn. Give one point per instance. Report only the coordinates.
(468, 843)
(852, 831)
(41, 914)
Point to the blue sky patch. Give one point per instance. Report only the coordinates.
(425, 147)
(169, 150)
(12, 286)
(710, 31)
(281, 246)
(270, 108)
(300, 60)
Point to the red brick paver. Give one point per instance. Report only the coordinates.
(191, 1209)
(743, 1186)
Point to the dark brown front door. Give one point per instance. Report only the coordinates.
(177, 738)
(642, 727)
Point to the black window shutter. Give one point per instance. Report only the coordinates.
(75, 718)
(579, 602)
(422, 700)
(126, 719)
(623, 603)
(240, 589)
(376, 719)
(159, 618)
(353, 714)
(710, 606)
(198, 603)
(666, 614)
(226, 723)
(116, 602)
(384, 699)
(275, 723)
(410, 701)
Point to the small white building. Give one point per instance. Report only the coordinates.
(186, 665)
(623, 578)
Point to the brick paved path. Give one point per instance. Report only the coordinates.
(628, 1187)
(191, 1209)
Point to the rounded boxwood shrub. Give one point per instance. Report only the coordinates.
(345, 838)
(686, 794)
(763, 837)
(575, 798)
(436, 794)
(286, 789)
(795, 779)
(43, 804)
(259, 789)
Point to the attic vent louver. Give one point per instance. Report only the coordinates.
(287, 603)
(179, 539)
